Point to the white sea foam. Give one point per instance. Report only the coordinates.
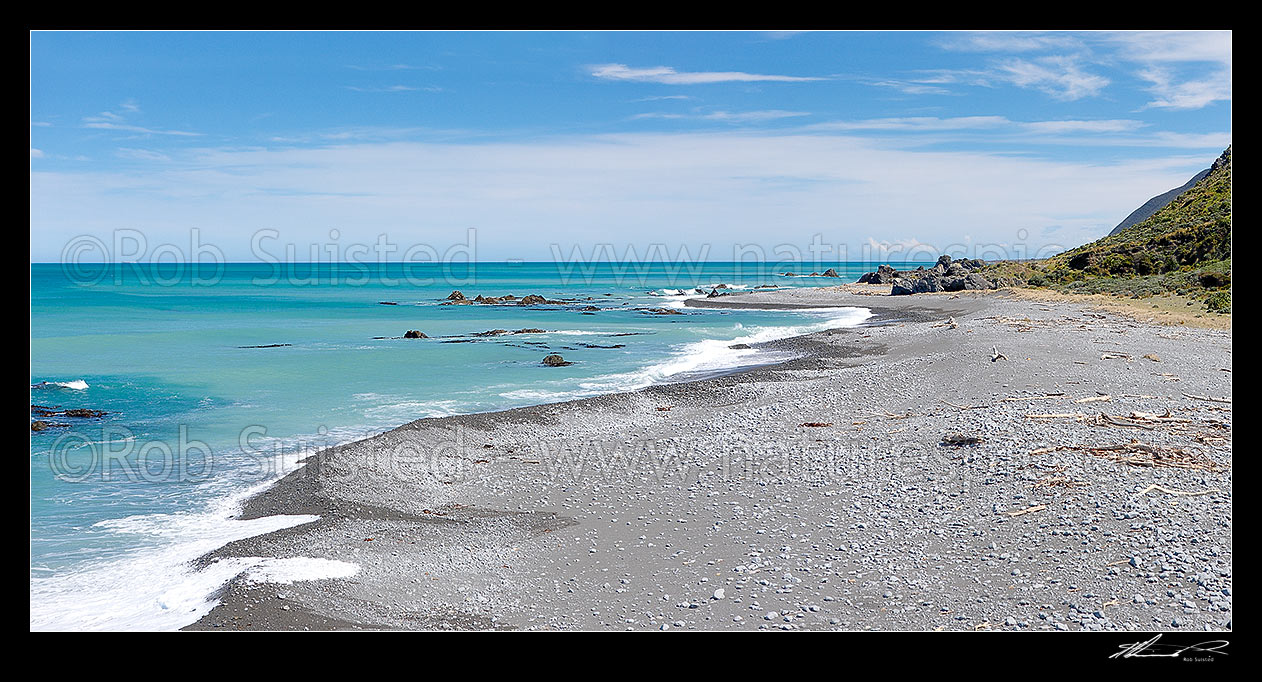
(698, 358)
(676, 298)
(712, 356)
(392, 410)
(156, 587)
(542, 396)
(76, 385)
(287, 571)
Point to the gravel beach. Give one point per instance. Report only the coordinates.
(968, 461)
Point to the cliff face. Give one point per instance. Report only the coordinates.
(1157, 203)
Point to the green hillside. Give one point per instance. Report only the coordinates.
(1183, 249)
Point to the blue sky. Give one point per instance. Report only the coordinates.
(952, 140)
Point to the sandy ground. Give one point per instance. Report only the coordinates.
(1159, 310)
(819, 493)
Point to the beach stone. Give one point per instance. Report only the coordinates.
(975, 281)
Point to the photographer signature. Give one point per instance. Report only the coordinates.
(1151, 649)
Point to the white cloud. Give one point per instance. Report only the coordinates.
(669, 76)
(114, 120)
(999, 130)
(1172, 46)
(97, 124)
(918, 123)
(910, 87)
(1061, 77)
(718, 188)
(1097, 126)
(1184, 69)
(1188, 94)
(37, 153)
(141, 154)
(1009, 42)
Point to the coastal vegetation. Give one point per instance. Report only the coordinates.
(1183, 250)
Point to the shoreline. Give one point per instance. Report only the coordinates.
(428, 508)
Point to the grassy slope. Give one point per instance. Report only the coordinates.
(1183, 250)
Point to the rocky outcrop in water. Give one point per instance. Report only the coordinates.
(75, 412)
(555, 360)
(502, 332)
(457, 298)
(413, 334)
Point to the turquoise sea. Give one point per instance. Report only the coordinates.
(196, 421)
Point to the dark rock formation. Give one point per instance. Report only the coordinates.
(555, 360)
(413, 334)
(830, 272)
(884, 275)
(501, 332)
(945, 275)
(76, 412)
(85, 413)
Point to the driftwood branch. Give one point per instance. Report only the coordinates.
(1184, 493)
(1207, 398)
